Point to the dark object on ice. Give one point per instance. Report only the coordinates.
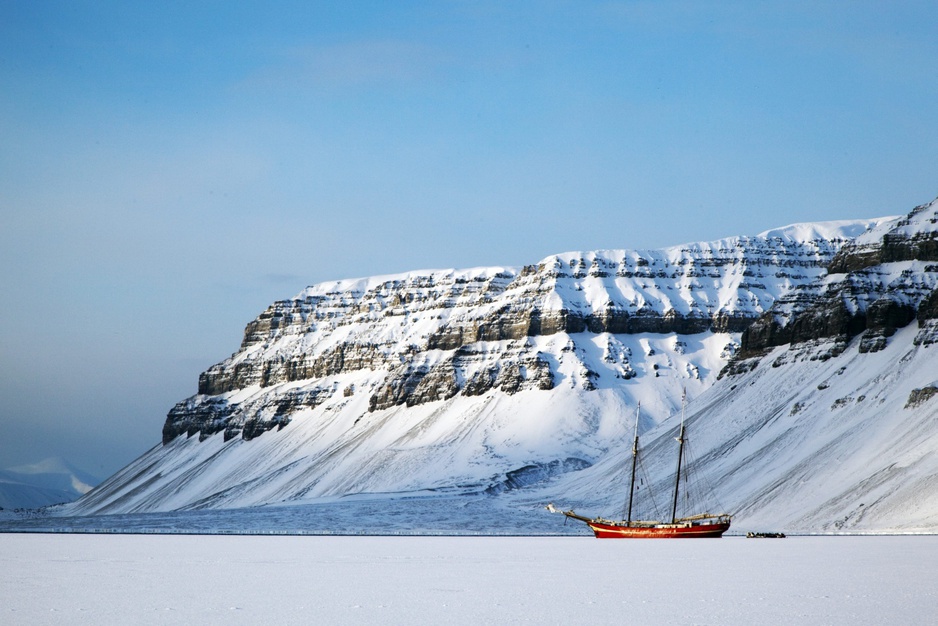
(752, 535)
(694, 526)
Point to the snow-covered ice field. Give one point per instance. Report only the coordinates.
(206, 579)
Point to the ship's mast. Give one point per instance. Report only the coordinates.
(634, 460)
(680, 454)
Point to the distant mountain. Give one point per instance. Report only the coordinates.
(51, 481)
(807, 354)
(488, 380)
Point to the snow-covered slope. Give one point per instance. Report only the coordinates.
(801, 443)
(483, 380)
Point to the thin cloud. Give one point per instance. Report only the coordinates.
(282, 279)
(358, 64)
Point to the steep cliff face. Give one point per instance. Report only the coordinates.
(429, 336)
(875, 285)
(520, 383)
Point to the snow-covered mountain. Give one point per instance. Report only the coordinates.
(806, 354)
(827, 419)
(50, 481)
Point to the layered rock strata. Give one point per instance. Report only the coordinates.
(882, 281)
(429, 336)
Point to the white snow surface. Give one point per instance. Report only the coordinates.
(148, 579)
(465, 443)
(826, 231)
(805, 443)
(923, 220)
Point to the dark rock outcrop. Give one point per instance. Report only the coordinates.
(920, 396)
(220, 378)
(875, 286)
(928, 320)
(207, 415)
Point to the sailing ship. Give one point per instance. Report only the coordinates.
(702, 525)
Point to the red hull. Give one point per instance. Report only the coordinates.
(713, 530)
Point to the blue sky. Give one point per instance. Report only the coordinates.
(167, 170)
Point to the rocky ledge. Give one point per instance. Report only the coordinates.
(883, 281)
(428, 336)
